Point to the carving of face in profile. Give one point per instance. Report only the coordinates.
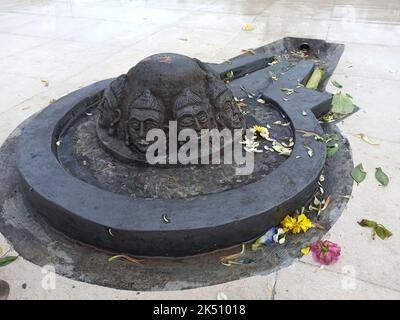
(145, 113)
(191, 112)
(228, 114)
(109, 111)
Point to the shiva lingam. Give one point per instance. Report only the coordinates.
(84, 167)
(160, 89)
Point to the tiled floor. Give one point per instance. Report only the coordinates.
(72, 43)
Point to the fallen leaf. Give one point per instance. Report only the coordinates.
(249, 51)
(377, 228)
(228, 260)
(382, 178)
(336, 84)
(358, 173)
(342, 104)
(363, 137)
(367, 223)
(382, 232)
(331, 149)
(229, 74)
(7, 260)
(315, 78)
(121, 256)
(310, 134)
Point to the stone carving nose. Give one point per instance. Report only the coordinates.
(141, 130)
(198, 126)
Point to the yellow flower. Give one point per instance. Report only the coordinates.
(247, 27)
(260, 130)
(297, 225)
(305, 250)
(288, 223)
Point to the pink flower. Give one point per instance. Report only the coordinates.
(325, 252)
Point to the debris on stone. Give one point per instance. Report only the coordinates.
(331, 149)
(377, 229)
(248, 27)
(305, 250)
(315, 78)
(364, 137)
(229, 74)
(273, 76)
(45, 82)
(358, 173)
(310, 151)
(382, 177)
(221, 296)
(265, 239)
(229, 260)
(288, 91)
(249, 51)
(125, 257)
(260, 131)
(7, 260)
(342, 103)
(251, 145)
(165, 218)
(281, 149)
(336, 84)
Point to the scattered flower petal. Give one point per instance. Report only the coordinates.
(305, 250)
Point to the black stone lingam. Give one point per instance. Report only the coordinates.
(83, 168)
(159, 89)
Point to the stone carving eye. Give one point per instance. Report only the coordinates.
(151, 124)
(202, 117)
(186, 121)
(134, 124)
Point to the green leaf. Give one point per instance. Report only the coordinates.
(315, 78)
(342, 104)
(349, 95)
(336, 84)
(382, 178)
(332, 149)
(385, 231)
(382, 232)
(7, 260)
(229, 74)
(358, 173)
(367, 223)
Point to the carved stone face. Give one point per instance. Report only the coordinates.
(191, 112)
(145, 113)
(228, 114)
(110, 114)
